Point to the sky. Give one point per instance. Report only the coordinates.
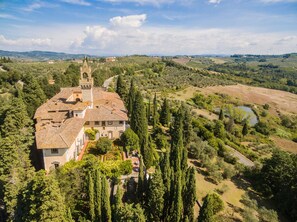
(151, 27)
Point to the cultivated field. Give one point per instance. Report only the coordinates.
(284, 102)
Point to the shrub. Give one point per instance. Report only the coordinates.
(91, 133)
(104, 145)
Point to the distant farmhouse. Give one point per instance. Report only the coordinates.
(61, 122)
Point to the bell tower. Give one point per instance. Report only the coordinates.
(86, 83)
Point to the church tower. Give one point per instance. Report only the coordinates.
(86, 83)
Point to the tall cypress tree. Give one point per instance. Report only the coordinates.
(141, 182)
(33, 94)
(155, 119)
(139, 126)
(118, 204)
(131, 98)
(121, 87)
(15, 165)
(105, 207)
(176, 144)
(41, 200)
(245, 129)
(148, 111)
(97, 193)
(165, 113)
(187, 127)
(189, 194)
(221, 115)
(155, 197)
(177, 203)
(91, 197)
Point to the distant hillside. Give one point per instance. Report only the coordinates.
(42, 55)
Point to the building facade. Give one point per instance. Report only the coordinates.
(61, 121)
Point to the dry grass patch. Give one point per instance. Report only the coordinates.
(285, 144)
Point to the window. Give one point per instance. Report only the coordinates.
(121, 122)
(97, 123)
(76, 114)
(103, 123)
(54, 151)
(56, 165)
(109, 122)
(87, 123)
(103, 128)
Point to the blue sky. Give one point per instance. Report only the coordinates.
(167, 27)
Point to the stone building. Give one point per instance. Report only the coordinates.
(61, 121)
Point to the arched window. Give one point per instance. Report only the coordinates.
(85, 75)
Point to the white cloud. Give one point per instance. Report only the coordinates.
(144, 2)
(171, 41)
(7, 16)
(30, 43)
(276, 1)
(77, 2)
(37, 5)
(134, 21)
(214, 1)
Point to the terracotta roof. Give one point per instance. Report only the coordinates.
(61, 136)
(55, 129)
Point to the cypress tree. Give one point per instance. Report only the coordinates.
(139, 126)
(121, 87)
(105, 203)
(245, 129)
(187, 127)
(118, 204)
(189, 195)
(148, 111)
(141, 182)
(211, 206)
(177, 205)
(15, 165)
(148, 153)
(33, 94)
(131, 98)
(155, 119)
(91, 197)
(177, 146)
(155, 197)
(165, 113)
(41, 200)
(97, 192)
(221, 115)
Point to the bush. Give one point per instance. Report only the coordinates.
(91, 133)
(104, 145)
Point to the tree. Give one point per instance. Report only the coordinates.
(141, 180)
(148, 154)
(97, 193)
(148, 111)
(165, 113)
(118, 204)
(155, 198)
(221, 115)
(131, 213)
(189, 194)
(230, 125)
(33, 94)
(41, 200)
(15, 165)
(104, 145)
(105, 203)
(187, 127)
(177, 203)
(211, 206)
(91, 196)
(131, 98)
(130, 140)
(155, 119)
(219, 130)
(139, 126)
(245, 129)
(121, 87)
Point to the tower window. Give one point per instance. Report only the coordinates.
(54, 151)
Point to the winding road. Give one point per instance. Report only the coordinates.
(108, 81)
